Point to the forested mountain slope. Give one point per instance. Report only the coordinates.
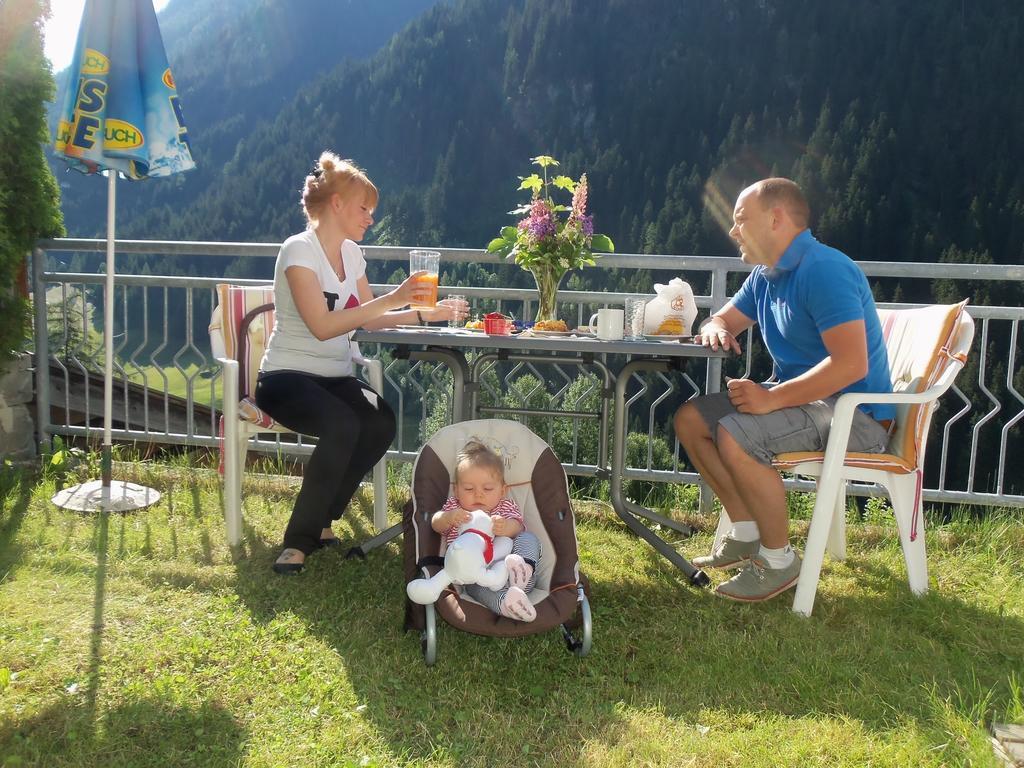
(901, 119)
(237, 64)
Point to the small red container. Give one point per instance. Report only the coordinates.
(498, 326)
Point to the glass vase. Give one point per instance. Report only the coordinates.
(547, 278)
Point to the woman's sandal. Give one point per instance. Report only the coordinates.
(287, 567)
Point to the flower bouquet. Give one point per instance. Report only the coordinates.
(546, 243)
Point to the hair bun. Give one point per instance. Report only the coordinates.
(328, 161)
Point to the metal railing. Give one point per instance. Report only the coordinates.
(167, 382)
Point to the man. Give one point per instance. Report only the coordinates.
(820, 326)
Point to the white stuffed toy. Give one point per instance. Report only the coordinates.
(475, 557)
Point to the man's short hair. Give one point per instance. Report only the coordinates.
(786, 194)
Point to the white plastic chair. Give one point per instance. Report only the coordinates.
(927, 347)
(239, 330)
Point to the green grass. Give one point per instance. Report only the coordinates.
(176, 381)
(142, 640)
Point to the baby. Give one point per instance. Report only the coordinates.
(480, 484)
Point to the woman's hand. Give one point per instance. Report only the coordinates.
(447, 309)
(410, 289)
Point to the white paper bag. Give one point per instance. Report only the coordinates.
(672, 311)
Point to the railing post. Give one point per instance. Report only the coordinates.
(42, 356)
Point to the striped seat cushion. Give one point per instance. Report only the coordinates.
(251, 306)
(236, 303)
(918, 343)
(250, 412)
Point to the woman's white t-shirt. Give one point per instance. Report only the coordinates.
(292, 347)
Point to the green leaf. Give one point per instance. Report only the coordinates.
(533, 182)
(496, 244)
(509, 233)
(543, 160)
(602, 243)
(564, 182)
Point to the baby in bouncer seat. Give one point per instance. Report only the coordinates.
(480, 485)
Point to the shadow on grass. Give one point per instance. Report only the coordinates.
(879, 656)
(15, 493)
(144, 733)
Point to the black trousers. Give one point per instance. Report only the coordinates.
(355, 427)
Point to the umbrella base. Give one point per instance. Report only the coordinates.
(118, 497)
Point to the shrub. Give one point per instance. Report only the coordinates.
(29, 198)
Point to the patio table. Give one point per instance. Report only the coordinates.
(447, 345)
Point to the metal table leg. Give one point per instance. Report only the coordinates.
(457, 364)
(629, 512)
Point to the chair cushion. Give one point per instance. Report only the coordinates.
(234, 303)
(918, 343)
(250, 412)
(887, 462)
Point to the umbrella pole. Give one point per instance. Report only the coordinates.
(108, 331)
(105, 495)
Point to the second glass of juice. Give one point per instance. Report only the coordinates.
(425, 261)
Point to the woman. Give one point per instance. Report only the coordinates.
(306, 379)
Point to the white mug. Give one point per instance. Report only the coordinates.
(607, 324)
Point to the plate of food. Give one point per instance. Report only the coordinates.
(551, 325)
(542, 332)
(668, 337)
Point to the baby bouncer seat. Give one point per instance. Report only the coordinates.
(538, 484)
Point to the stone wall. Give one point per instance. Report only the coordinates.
(17, 428)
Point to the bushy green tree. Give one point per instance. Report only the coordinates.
(29, 199)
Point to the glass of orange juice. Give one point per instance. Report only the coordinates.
(429, 262)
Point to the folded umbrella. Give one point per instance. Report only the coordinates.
(120, 114)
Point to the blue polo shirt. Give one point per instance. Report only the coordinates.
(811, 289)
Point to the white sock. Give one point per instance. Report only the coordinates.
(745, 530)
(777, 558)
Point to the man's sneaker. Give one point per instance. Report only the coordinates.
(758, 582)
(730, 553)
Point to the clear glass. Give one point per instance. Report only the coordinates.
(452, 322)
(634, 323)
(426, 293)
(547, 278)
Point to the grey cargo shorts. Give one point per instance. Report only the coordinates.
(800, 428)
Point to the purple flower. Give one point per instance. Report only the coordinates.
(541, 221)
(587, 225)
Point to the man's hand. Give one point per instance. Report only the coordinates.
(749, 396)
(714, 335)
